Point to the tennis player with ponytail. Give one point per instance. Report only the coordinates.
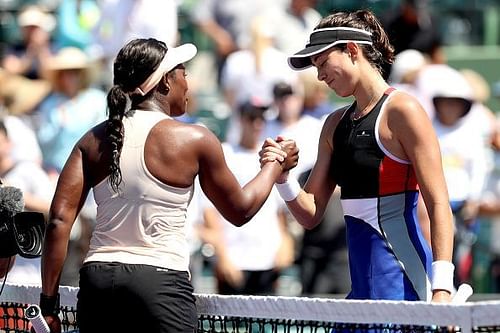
(383, 153)
(141, 165)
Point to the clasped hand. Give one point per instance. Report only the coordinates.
(285, 151)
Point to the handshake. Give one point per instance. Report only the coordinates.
(284, 151)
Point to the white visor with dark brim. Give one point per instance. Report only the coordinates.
(325, 38)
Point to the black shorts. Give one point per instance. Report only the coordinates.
(116, 297)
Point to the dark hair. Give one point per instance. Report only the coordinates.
(377, 54)
(282, 89)
(137, 60)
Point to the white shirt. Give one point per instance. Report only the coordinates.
(464, 159)
(306, 132)
(146, 222)
(253, 246)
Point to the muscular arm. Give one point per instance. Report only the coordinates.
(417, 137)
(238, 205)
(69, 197)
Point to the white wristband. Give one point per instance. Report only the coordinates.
(442, 275)
(289, 190)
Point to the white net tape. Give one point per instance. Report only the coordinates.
(466, 316)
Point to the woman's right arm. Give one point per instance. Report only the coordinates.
(238, 205)
(309, 206)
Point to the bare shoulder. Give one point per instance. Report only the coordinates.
(403, 107)
(180, 135)
(406, 120)
(330, 124)
(93, 139)
(334, 118)
(94, 148)
(196, 133)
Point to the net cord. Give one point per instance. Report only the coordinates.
(466, 316)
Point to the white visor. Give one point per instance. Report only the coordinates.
(174, 56)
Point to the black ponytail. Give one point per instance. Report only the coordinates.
(117, 107)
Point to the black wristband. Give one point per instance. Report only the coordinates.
(49, 305)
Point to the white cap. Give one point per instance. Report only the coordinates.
(406, 62)
(36, 16)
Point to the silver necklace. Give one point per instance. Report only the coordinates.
(356, 115)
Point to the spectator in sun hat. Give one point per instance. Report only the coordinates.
(35, 47)
(464, 158)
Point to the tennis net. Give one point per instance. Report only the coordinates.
(217, 313)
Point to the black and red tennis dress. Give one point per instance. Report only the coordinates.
(388, 255)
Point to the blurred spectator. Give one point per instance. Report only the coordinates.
(480, 112)
(323, 259)
(71, 109)
(406, 67)
(292, 123)
(122, 20)
(75, 22)
(18, 97)
(253, 71)
(484, 250)
(37, 192)
(464, 160)
(403, 75)
(293, 24)
(426, 82)
(316, 96)
(411, 26)
(228, 24)
(27, 57)
(249, 258)
(487, 248)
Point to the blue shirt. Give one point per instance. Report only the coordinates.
(63, 121)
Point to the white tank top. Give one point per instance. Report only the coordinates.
(145, 222)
